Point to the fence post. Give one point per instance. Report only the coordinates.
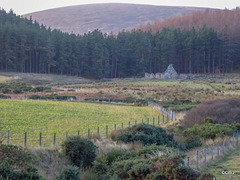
(78, 133)
(172, 115)
(205, 156)
(237, 137)
(218, 150)
(197, 160)
(135, 122)
(54, 139)
(115, 127)
(233, 141)
(163, 119)
(40, 139)
(212, 151)
(129, 124)
(25, 141)
(106, 131)
(88, 133)
(148, 120)
(98, 131)
(188, 161)
(153, 121)
(142, 121)
(158, 120)
(8, 137)
(223, 146)
(66, 134)
(122, 125)
(228, 143)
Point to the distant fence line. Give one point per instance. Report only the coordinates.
(25, 139)
(199, 158)
(165, 111)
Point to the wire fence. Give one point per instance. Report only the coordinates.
(56, 138)
(201, 157)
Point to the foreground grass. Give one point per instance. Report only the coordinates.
(230, 162)
(50, 117)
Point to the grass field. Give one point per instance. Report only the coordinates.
(229, 163)
(49, 117)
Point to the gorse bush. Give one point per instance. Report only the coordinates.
(210, 131)
(220, 111)
(16, 163)
(82, 152)
(51, 97)
(70, 173)
(146, 134)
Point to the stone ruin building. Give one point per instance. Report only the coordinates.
(170, 73)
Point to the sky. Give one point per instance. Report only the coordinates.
(21, 7)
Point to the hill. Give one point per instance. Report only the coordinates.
(109, 17)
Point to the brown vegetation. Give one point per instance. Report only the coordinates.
(220, 110)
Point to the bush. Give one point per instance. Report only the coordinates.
(209, 130)
(2, 96)
(136, 169)
(70, 173)
(82, 152)
(152, 149)
(105, 161)
(16, 163)
(146, 134)
(220, 111)
(192, 142)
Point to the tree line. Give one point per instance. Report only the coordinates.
(27, 46)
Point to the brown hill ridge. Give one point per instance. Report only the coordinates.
(109, 17)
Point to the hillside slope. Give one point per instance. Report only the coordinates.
(109, 17)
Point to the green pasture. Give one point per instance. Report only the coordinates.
(49, 117)
(229, 163)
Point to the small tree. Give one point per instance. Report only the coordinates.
(82, 152)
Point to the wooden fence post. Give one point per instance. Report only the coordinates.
(98, 131)
(223, 146)
(78, 133)
(40, 139)
(66, 134)
(148, 120)
(218, 150)
(228, 143)
(233, 141)
(25, 140)
(122, 125)
(115, 127)
(212, 151)
(188, 162)
(197, 160)
(88, 133)
(153, 121)
(106, 131)
(8, 137)
(129, 124)
(135, 122)
(54, 139)
(158, 120)
(205, 156)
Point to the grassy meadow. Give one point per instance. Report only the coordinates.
(49, 117)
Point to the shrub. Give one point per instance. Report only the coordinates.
(2, 96)
(146, 134)
(221, 111)
(16, 163)
(104, 162)
(152, 149)
(70, 173)
(82, 152)
(136, 169)
(209, 130)
(192, 142)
